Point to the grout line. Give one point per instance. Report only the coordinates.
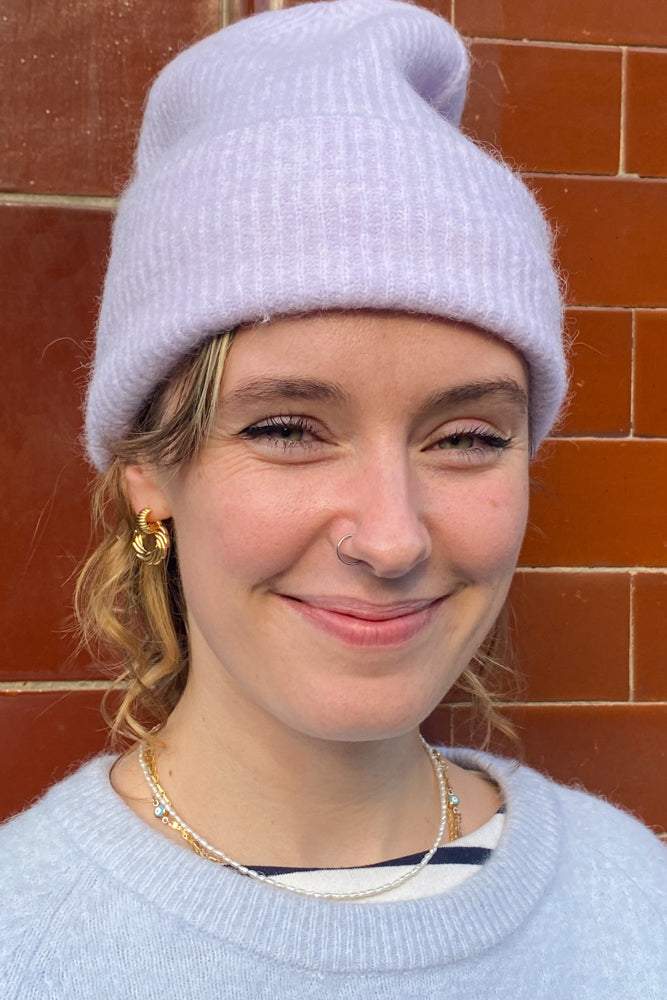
(452, 16)
(616, 438)
(40, 687)
(633, 363)
(624, 80)
(586, 305)
(560, 175)
(69, 200)
(563, 44)
(592, 569)
(631, 641)
(562, 704)
(619, 308)
(611, 436)
(232, 11)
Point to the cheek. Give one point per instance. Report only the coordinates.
(245, 528)
(484, 524)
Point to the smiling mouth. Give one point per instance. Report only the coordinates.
(367, 611)
(360, 623)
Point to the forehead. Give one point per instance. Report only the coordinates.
(357, 350)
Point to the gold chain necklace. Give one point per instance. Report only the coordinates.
(450, 815)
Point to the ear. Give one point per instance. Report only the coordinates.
(145, 490)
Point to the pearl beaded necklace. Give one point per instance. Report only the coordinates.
(164, 811)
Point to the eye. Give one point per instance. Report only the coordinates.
(457, 442)
(475, 443)
(285, 432)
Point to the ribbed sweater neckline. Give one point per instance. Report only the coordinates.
(316, 934)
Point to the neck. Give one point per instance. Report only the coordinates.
(286, 798)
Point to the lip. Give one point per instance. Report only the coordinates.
(360, 623)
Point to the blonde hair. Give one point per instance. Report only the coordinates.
(134, 614)
(127, 610)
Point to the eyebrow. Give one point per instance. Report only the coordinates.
(468, 392)
(267, 389)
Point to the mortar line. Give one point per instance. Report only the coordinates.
(563, 704)
(611, 436)
(633, 363)
(621, 143)
(620, 437)
(592, 569)
(563, 44)
(560, 175)
(42, 687)
(64, 200)
(602, 307)
(631, 641)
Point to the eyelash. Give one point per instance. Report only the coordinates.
(271, 428)
(488, 440)
(280, 424)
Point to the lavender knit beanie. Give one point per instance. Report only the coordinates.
(310, 159)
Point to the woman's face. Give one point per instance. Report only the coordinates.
(409, 435)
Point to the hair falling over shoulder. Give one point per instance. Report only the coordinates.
(132, 614)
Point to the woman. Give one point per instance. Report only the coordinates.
(328, 346)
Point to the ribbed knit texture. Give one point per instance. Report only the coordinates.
(310, 159)
(95, 904)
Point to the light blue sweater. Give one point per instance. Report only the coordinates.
(571, 906)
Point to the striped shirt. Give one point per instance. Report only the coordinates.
(450, 865)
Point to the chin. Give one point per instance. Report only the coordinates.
(370, 717)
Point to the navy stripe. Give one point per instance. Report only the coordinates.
(443, 856)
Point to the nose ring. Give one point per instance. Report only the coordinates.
(347, 562)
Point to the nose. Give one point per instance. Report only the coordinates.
(387, 525)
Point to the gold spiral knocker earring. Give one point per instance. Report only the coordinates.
(159, 548)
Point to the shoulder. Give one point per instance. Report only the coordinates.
(613, 845)
(597, 841)
(31, 845)
(41, 867)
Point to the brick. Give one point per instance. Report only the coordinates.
(650, 399)
(614, 22)
(650, 636)
(571, 636)
(79, 74)
(617, 751)
(437, 729)
(612, 241)
(598, 503)
(443, 7)
(601, 365)
(43, 735)
(521, 99)
(51, 262)
(646, 114)
(243, 8)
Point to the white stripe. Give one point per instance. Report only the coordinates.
(430, 881)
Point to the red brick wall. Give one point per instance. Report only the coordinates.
(573, 92)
